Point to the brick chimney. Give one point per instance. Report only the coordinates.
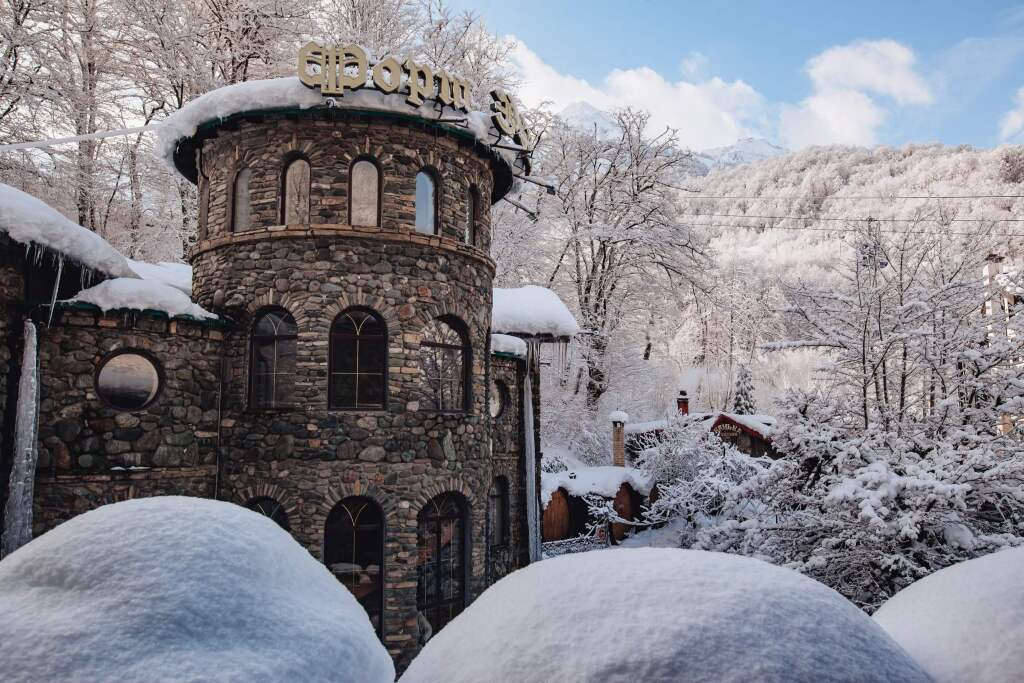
(619, 420)
(683, 403)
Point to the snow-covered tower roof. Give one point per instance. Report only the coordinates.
(531, 311)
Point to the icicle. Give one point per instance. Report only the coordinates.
(530, 453)
(56, 288)
(18, 513)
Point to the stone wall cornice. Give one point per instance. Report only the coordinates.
(344, 232)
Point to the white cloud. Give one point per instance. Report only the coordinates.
(844, 78)
(853, 89)
(707, 113)
(1012, 124)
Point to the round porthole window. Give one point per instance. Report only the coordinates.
(128, 381)
(499, 398)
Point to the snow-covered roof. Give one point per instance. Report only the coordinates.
(179, 589)
(31, 221)
(290, 93)
(141, 295)
(660, 614)
(177, 275)
(762, 424)
(603, 481)
(531, 311)
(618, 416)
(506, 343)
(964, 622)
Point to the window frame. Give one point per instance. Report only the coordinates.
(250, 402)
(343, 507)
(499, 486)
(289, 160)
(435, 179)
(430, 513)
(233, 217)
(161, 379)
(385, 341)
(472, 227)
(459, 328)
(380, 189)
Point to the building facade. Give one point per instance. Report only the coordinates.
(345, 385)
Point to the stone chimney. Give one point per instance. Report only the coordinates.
(683, 403)
(619, 420)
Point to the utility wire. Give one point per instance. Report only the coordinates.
(99, 135)
(690, 194)
(733, 226)
(857, 219)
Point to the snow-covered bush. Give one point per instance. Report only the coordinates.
(660, 614)
(179, 589)
(965, 622)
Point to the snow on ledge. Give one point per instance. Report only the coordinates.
(531, 310)
(604, 481)
(506, 343)
(142, 295)
(177, 275)
(618, 416)
(29, 220)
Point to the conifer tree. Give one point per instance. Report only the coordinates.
(743, 403)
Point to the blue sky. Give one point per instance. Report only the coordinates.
(797, 73)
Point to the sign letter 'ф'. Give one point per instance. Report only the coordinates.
(335, 68)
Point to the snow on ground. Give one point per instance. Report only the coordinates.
(659, 614)
(141, 295)
(179, 589)
(531, 310)
(604, 481)
(31, 221)
(506, 343)
(964, 622)
(177, 275)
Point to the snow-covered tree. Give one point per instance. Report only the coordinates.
(743, 399)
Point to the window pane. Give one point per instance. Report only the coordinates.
(354, 552)
(128, 381)
(365, 193)
(271, 508)
(272, 360)
(296, 192)
(242, 211)
(426, 221)
(359, 351)
(343, 353)
(372, 354)
(371, 390)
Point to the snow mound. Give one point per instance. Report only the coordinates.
(177, 275)
(660, 614)
(603, 481)
(531, 310)
(506, 343)
(964, 622)
(142, 295)
(618, 416)
(31, 221)
(179, 589)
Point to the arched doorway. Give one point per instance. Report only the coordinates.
(354, 552)
(441, 561)
(269, 507)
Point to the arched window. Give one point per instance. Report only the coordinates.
(271, 508)
(444, 355)
(272, 369)
(354, 552)
(358, 360)
(441, 560)
(364, 193)
(472, 202)
(295, 197)
(426, 203)
(241, 211)
(497, 512)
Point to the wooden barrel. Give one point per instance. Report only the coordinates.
(626, 507)
(556, 517)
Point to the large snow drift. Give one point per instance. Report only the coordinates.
(531, 310)
(660, 614)
(141, 295)
(179, 589)
(177, 275)
(964, 622)
(31, 221)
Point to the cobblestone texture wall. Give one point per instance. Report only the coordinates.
(86, 443)
(12, 289)
(304, 455)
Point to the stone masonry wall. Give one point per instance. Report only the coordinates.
(85, 442)
(507, 453)
(304, 455)
(12, 287)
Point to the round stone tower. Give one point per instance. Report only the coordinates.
(348, 244)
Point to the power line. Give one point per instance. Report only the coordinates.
(733, 226)
(99, 135)
(690, 195)
(856, 219)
